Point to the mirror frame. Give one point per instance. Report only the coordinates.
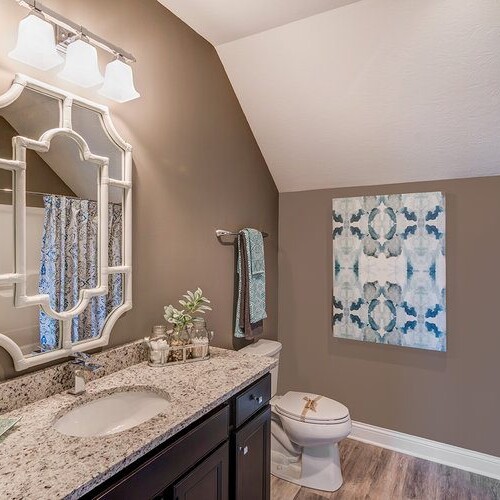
(17, 165)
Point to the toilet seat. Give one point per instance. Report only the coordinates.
(311, 408)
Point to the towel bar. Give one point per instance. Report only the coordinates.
(223, 232)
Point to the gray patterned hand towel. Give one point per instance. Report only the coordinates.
(251, 305)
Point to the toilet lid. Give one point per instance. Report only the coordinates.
(311, 408)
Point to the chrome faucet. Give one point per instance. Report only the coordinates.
(82, 363)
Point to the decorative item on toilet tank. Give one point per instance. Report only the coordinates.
(389, 265)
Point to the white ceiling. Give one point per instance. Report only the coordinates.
(380, 91)
(374, 92)
(221, 21)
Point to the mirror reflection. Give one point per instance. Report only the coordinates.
(62, 225)
(30, 115)
(83, 120)
(91, 322)
(23, 325)
(6, 224)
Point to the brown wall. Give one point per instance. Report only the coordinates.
(450, 397)
(197, 166)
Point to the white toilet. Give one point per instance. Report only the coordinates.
(305, 431)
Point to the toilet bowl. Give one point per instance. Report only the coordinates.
(316, 424)
(305, 431)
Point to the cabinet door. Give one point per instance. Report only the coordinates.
(209, 480)
(152, 475)
(253, 458)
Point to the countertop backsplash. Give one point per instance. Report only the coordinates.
(20, 391)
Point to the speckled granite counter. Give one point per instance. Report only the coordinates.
(37, 462)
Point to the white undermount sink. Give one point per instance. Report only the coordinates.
(110, 414)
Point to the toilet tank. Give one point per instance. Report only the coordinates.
(269, 348)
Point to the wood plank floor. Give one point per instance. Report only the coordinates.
(375, 473)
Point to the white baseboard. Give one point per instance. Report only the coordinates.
(472, 461)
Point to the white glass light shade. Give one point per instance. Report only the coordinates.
(36, 44)
(119, 82)
(81, 67)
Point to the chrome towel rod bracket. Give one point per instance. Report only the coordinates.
(222, 232)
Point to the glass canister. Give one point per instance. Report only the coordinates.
(178, 339)
(159, 331)
(158, 346)
(200, 338)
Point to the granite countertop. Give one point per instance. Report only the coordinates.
(36, 461)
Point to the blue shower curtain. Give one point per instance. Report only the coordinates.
(69, 264)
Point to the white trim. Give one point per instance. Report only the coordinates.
(460, 458)
(17, 165)
(22, 299)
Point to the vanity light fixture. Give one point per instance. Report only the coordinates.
(81, 66)
(119, 82)
(38, 46)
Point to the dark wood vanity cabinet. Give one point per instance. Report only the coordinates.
(208, 480)
(223, 456)
(252, 465)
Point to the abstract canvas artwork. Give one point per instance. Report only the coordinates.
(389, 283)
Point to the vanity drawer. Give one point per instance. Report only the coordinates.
(154, 474)
(253, 399)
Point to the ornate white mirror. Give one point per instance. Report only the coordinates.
(65, 223)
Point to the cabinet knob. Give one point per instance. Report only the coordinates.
(259, 399)
(244, 449)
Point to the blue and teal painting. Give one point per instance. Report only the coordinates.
(389, 269)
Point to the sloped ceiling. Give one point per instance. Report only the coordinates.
(222, 21)
(375, 92)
